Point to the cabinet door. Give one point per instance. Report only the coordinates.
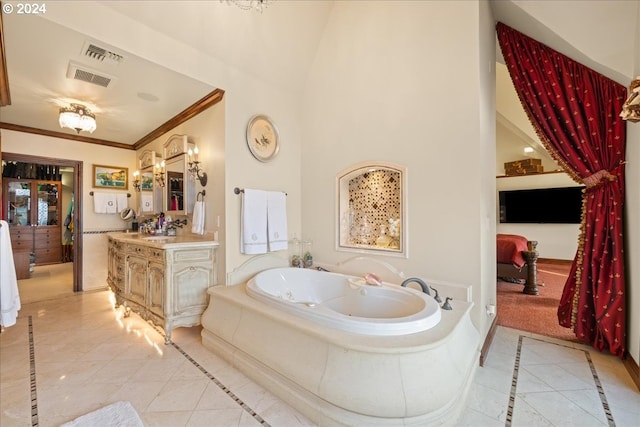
(48, 203)
(155, 300)
(19, 202)
(190, 284)
(136, 268)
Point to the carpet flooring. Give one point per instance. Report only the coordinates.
(535, 313)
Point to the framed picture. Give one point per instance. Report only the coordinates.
(262, 138)
(110, 177)
(146, 181)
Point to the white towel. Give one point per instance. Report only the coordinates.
(277, 220)
(146, 200)
(104, 203)
(9, 295)
(197, 223)
(253, 222)
(122, 201)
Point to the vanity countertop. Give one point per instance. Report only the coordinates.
(167, 242)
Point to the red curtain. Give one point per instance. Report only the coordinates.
(574, 111)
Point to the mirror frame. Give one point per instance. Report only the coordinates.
(147, 161)
(343, 197)
(175, 153)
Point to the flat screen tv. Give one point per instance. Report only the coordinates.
(541, 206)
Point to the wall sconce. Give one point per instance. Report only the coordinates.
(631, 107)
(136, 180)
(159, 173)
(194, 167)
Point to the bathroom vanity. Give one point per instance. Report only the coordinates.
(163, 278)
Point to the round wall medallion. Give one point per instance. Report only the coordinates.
(262, 138)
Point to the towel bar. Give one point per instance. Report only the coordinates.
(91, 194)
(239, 190)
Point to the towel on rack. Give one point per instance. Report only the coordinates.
(277, 220)
(253, 222)
(146, 200)
(104, 203)
(197, 222)
(122, 201)
(9, 295)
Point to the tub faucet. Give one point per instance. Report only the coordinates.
(420, 282)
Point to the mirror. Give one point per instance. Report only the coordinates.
(180, 191)
(371, 209)
(150, 193)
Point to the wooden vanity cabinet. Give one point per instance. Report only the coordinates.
(165, 285)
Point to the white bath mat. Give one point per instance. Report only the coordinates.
(119, 414)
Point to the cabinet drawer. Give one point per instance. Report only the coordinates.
(156, 255)
(47, 242)
(22, 244)
(46, 232)
(137, 250)
(193, 255)
(21, 236)
(21, 231)
(48, 256)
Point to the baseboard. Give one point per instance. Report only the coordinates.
(555, 261)
(633, 369)
(487, 341)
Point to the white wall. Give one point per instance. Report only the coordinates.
(375, 93)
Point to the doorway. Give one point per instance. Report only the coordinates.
(75, 169)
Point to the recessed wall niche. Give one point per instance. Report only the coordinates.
(371, 209)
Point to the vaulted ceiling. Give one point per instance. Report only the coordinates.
(277, 46)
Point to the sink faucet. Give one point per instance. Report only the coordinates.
(420, 282)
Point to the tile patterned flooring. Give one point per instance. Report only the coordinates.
(71, 355)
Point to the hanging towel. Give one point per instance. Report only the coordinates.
(146, 200)
(253, 222)
(197, 223)
(277, 220)
(122, 201)
(9, 295)
(104, 203)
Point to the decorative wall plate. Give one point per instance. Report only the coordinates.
(262, 138)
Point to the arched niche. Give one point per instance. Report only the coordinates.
(372, 209)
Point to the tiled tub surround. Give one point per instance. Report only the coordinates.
(341, 378)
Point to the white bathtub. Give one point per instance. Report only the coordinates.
(337, 375)
(346, 302)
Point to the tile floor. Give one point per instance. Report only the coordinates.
(69, 356)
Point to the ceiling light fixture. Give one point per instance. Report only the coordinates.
(77, 117)
(258, 5)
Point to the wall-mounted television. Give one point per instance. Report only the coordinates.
(541, 206)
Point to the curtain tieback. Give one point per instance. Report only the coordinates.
(596, 178)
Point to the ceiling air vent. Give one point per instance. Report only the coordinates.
(79, 72)
(101, 54)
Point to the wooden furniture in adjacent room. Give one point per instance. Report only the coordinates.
(32, 209)
(517, 259)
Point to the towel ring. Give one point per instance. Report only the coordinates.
(200, 193)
